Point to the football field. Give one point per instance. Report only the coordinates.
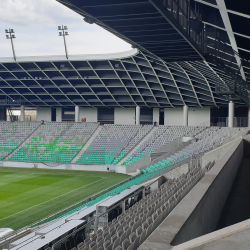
(28, 195)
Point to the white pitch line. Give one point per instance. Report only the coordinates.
(53, 198)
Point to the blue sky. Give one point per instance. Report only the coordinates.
(35, 23)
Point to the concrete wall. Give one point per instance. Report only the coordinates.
(229, 238)
(216, 154)
(173, 116)
(205, 216)
(59, 166)
(124, 116)
(59, 114)
(177, 172)
(197, 116)
(44, 114)
(156, 115)
(89, 113)
(198, 212)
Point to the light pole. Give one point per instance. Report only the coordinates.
(63, 34)
(11, 37)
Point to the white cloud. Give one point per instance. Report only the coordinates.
(35, 23)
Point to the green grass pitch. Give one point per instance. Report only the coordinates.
(28, 195)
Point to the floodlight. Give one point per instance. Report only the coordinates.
(63, 34)
(13, 36)
(6, 31)
(7, 36)
(12, 31)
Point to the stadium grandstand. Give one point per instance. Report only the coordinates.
(144, 149)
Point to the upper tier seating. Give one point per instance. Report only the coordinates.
(112, 143)
(161, 137)
(13, 134)
(55, 142)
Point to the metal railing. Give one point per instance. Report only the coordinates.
(184, 15)
(27, 118)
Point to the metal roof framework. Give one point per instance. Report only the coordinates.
(124, 80)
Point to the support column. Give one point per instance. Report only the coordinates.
(123, 206)
(156, 116)
(77, 113)
(230, 114)
(137, 115)
(22, 113)
(185, 115)
(249, 117)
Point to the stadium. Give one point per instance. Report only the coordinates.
(142, 149)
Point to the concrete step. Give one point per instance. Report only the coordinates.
(33, 134)
(90, 140)
(135, 149)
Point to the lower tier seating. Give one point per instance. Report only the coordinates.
(109, 144)
(55, 142)
(13, 134)
(161, 137)
(131, 228)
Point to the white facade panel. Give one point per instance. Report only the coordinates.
(156, 115)
(198, 116)
(173, 116)
(44, 114)
(59, 114)
(124, 116)
(89, 113)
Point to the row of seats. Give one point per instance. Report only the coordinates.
(207, 140)
(110, 146)
(130, 229)
(161, 137)
(161, 166)
(13, 134)
(55, 142)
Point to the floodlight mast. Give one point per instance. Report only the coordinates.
(11, 37)
(64, 33)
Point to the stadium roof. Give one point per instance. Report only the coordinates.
(173, 31)
(123, 79)
(171, 67)
(146, 24)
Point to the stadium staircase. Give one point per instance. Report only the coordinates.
(135, 149)
(22, 144)
(91, 139)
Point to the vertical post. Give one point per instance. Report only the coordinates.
(137, 115)
(22, 113)
(230, 114)
(65, 45)
(123, 206)
(13, 49)
(249, 117)
(95, 223)
(143, 192)
(185, 115)
(156, 116)
(76, 113)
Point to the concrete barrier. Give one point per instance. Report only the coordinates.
(199, 212)
(70, 166)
